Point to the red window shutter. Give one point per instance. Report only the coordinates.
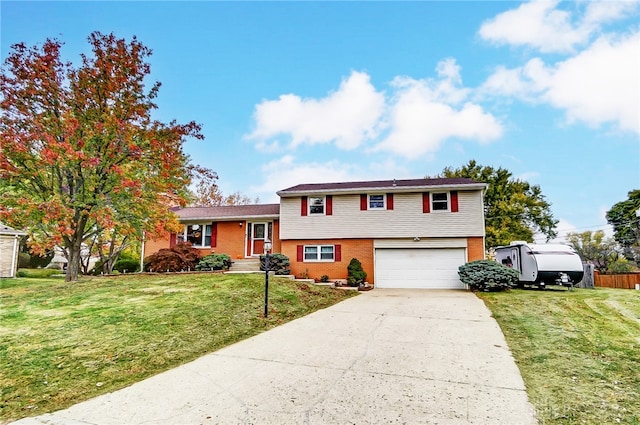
(337, 253)
(329, 205)
(389, 201)
(299, 253)
(426, 206)
(214, 234)
(172, 239)
(303, 206)
(363, 202)
(454, 201)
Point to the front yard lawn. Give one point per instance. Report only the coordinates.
(578, 351)
(61, 343)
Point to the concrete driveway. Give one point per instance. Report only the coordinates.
(386, 356)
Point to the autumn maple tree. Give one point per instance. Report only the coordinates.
(81, 159)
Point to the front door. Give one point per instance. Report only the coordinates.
(258, 234)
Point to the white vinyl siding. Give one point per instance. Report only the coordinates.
(406, 220)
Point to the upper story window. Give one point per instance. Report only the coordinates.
(198, 234)
(376, 202)
(316, 205)
(440, 201)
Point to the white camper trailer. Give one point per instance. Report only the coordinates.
(550, 264)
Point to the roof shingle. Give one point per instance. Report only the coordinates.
(229, 212)
(380, 184)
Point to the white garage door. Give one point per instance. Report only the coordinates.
(433, 268)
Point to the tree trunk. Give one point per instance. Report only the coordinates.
(73, 261)
(74, 248)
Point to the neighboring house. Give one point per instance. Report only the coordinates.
(406, 233)
(9, 249)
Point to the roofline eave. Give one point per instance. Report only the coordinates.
(218, 219)
(388, 189)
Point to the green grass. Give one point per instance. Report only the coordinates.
(578, 351)
(39, 273)
(61, 343)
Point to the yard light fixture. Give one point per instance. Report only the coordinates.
(267, 248)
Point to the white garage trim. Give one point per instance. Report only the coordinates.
(428, 268)
(421, 243)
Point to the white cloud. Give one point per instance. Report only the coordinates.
(424, 113)
(347, 117)
(524, 82)
(599, 85)
(537, 24)
(601, 12)
(541, 25)
(417, 117)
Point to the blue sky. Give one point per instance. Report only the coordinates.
(302, 92)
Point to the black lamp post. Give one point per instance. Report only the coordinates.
(267, 248)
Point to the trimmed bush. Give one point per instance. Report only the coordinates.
(214, 262)
(181, 257)
(278, 263)
(37, 273)
(355, 275)
(127, 265)
(487, 275)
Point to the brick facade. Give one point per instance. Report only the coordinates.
(230, 240)
(362, 249)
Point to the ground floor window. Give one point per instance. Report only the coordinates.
(198, 234)
(319, 253)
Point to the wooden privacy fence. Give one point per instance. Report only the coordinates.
(622, 281)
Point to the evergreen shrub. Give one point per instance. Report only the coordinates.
(278, 263)
(355, 275)
(127, 265)
(214, 262)
(487, 275)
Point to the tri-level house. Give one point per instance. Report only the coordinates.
(406, 233)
